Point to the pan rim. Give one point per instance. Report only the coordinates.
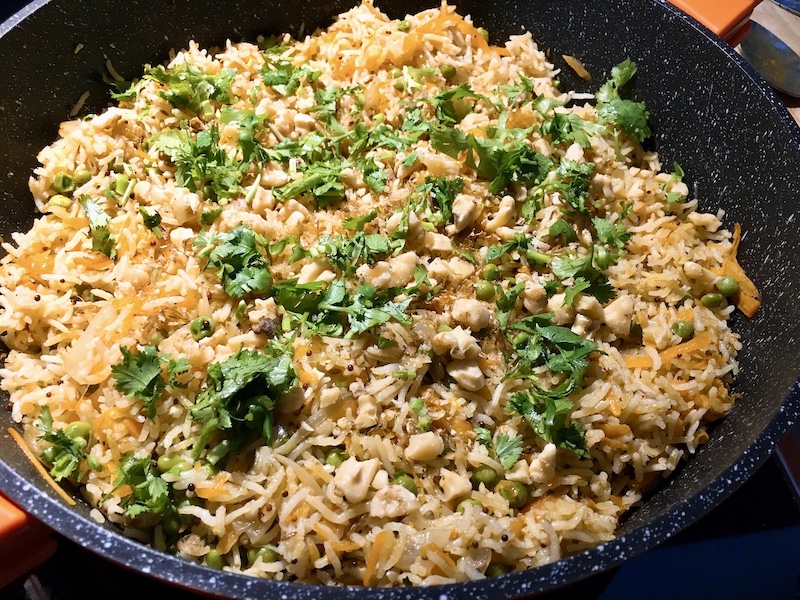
(171, 569)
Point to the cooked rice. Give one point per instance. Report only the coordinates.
(68, 311)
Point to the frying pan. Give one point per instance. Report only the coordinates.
(709, 111)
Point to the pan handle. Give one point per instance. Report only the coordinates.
(729, 19)
(24, 542)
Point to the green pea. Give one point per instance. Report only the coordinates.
(167, 462)
(94, 464)
(265, 553)
(496, 569)
(59, 200)
(466, 503)
(81, 177)
(120, 183)
(202, 327)
(484, 290)
(79, 429)
(49, 455)
(491, 272)
(335, 458)
(399, 85)
(171, 524)
(484, 475)
(213, 559)
(727, 286)
(683, 329)
(406, 481)
(448, 72)
(395, 73)
(403, 26)
(63, 183)
(712, 300)
(514, 492)
(484, 33)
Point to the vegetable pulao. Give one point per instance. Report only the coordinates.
(382, 306)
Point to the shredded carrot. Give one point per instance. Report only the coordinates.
(616, 430)
(75, 222)
(699, 342)
(432, 548)
(686, 314)
(500, 50)
(577, 66)
(374, 556)
(344, 546)
(638, 361)
(748, 299)
(39, 466)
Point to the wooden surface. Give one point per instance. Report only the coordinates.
(786, 26)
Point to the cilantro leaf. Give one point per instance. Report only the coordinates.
(139, 375)
(202, 165)
(570, 128)
(613, 234)
(450, 106)
(152, 220)
(283, 77)
(442, 192)
(66, 454)
(630, 116)
(580, 284)
(572, 181)
(505, 448)
(237, 256)
(190, 88)
(240, 394)
(547, 417)
(102, 239)
(209, 216)
(149, 492)
(582, 267)
(248, 127)
(322, 180)
(563, 230)
(358, 223)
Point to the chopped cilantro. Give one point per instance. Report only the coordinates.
(202, 165)
(149, 492)
(189, 87)
(283, 77)
(547, 417)
(630, 116)
(240, 394)
(563, 230)
(102, 239)
(67, 453)
(321, 180)
(139, 375)
(570, 128)
(358, 223)
(209, 216)
(237, 257)
(152, 220)
(505, 448)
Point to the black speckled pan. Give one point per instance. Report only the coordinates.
(710, 111)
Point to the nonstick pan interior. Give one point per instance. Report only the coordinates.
(709, 111)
